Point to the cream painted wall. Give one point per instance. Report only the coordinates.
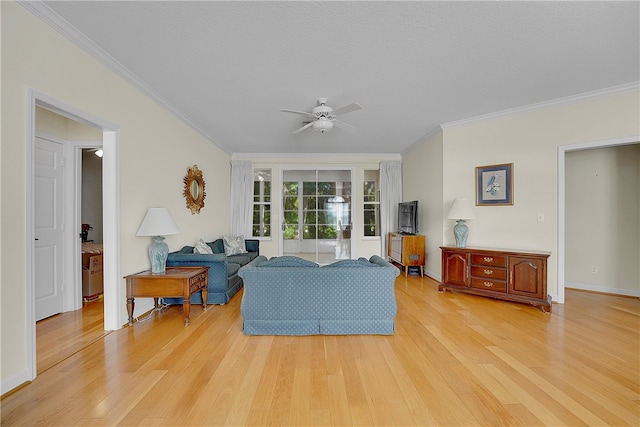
(422, 180)
(361, 246)
(603, 219)
(155, 149)
(61, 127)
(530, 141)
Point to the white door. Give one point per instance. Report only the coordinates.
(48, 227)
(316, 209)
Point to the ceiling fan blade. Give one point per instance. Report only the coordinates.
(302, 128)
(345, 126)
(304, 113)
(346, 109)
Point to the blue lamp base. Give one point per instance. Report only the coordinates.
(158, 252)
(461, 231)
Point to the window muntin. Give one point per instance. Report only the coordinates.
(261, 203)
(371, 206)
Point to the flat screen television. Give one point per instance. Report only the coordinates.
(408, 217)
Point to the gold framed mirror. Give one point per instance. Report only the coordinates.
(194, 192)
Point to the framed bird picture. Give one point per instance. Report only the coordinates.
(494, 185)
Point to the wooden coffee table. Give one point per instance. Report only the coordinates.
(180, 282)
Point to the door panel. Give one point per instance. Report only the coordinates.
(48, 228)
(317, 214)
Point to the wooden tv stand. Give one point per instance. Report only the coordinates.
(502, 274)
(407, 250)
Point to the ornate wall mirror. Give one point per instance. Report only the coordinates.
(194, 189)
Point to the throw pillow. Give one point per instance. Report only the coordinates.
(202, 248)
(234, 245)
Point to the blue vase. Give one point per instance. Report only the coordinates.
(461, 231)
(158, 252)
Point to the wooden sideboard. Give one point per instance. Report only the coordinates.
(503, 274)
(407, 250)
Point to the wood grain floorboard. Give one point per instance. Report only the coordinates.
(454, 360)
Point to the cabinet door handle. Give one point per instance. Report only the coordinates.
(488, 272)
(488, 284)
(488, 259)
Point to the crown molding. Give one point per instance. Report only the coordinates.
(433, 132)
(244, 156)
(601, 93)
(55, 21)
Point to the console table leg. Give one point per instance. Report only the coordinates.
(130, 306)
(186, 309)
(205, 295)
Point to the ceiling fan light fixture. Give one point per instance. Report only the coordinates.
(322, 125)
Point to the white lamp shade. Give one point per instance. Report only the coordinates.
(158, 222)
(460, 209)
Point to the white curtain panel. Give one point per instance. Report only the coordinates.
(390, 196)
(241, 198)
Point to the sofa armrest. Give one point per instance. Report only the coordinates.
(375, 259)
(217, 264)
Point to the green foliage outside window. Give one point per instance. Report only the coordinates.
(371, 215)
(315, 221)
(261, 224)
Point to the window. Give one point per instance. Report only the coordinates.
(371, 203)
(316, 212)
(320, 209)
(262, 203)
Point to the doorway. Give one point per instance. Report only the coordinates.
(113, 313)
(316, 209)
(562, 151)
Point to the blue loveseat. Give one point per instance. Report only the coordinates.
(292, 296)
(224, 281)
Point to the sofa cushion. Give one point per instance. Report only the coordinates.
(234, 245)
(232, 268)
(288, 261)
(217, 246)
(242, 259)
(348, 263)
(202, 248)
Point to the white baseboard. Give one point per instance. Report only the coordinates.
(14, 381)
(603, 289)
(434, 276)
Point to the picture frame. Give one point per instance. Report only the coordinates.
(494, 185)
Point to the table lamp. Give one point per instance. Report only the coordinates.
(157, 223)
(460, 211)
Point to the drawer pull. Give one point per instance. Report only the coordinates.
(488, 272)
(488, 284)
(488, 259)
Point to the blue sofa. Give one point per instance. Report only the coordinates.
(292, 296)
(224, 281)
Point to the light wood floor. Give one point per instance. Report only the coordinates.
(454, 359)
(63, 335)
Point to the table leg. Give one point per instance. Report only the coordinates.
(186, 309)
(205, 295)
(130, 306)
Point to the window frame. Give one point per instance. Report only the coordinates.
(264, 204)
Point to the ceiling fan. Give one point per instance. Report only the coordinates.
(324, 117)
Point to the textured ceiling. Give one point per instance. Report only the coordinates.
(228, 68)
